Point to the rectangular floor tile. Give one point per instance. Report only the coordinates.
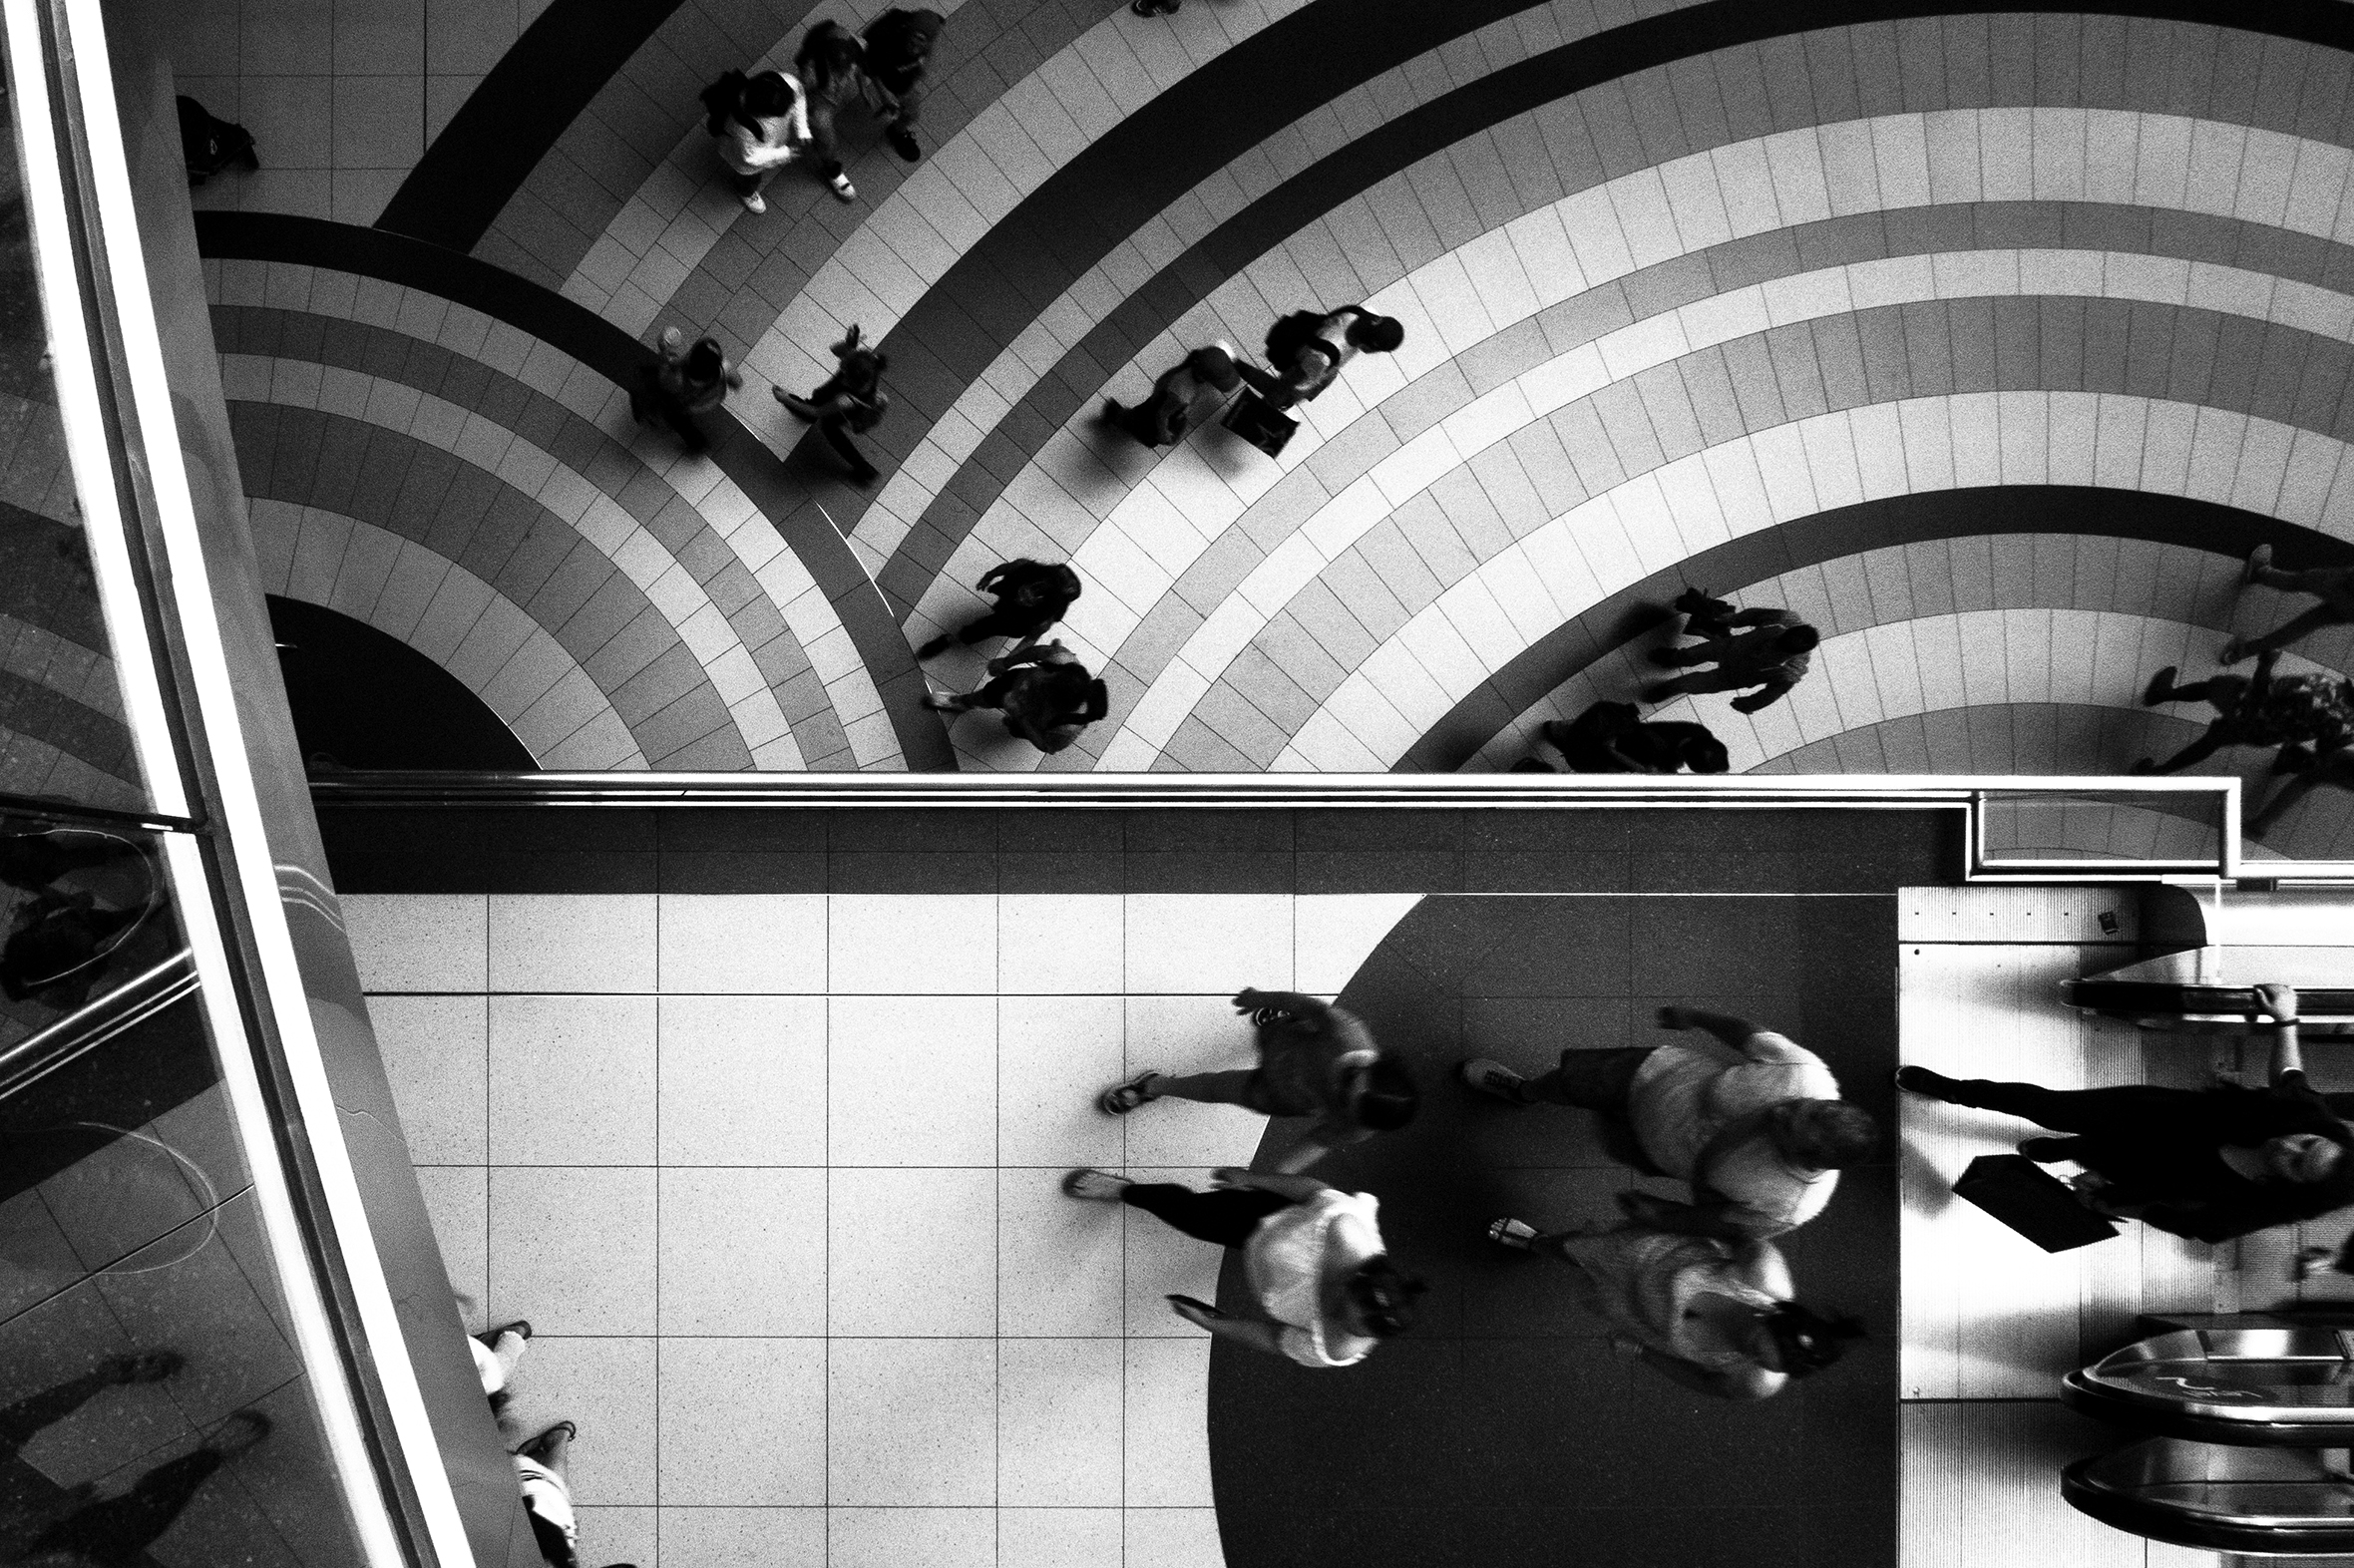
(743, 1422)
(567, 942)
(743, 943)
(740, 1081)
(913, 1422)
(911, 1251)
(435, 1051)
(912, 1080)
(742, 1250)
(1058, 1423)
(572, 1249)
(571, 1080)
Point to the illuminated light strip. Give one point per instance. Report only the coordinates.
(189, 591)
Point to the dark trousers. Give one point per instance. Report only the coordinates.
(836, 429)
(1005, 620)
(1602, 1081)
(2126, 1111)
(648, 402)
(1225, 1216)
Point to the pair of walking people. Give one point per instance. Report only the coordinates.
(765, 121)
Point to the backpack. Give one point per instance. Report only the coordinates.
(720, 100)
(1288, 335)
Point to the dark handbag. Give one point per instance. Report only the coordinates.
(1260, 423)
(2032, 1200)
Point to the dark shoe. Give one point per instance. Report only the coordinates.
(520, 1326)
(2233, 652)
(2161, 686)
(1666, 658)
(903, 142)
(1928, 1084)
(538, 1445)
(240, 1431)
(2257, 559)
(1123, 1099)
(2142, 766)
(1658, 691)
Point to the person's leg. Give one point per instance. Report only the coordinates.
(1705, 652)
(115, 1530)
(2319, 617)
(1225, 1216)
(552, 1448)
(508, 1347)
(1207, 1089)
(683, 425)
(21, 1421)
(1598, 1080)
(837, 436)
(1699, 681)
(2120, 1111)
(2206, 746)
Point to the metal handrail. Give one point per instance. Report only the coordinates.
(92, 1024)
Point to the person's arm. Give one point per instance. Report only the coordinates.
(1711, 1216)
(1701, 1380)
(1733, 1032)
(1298, 1189)
(1029, 652)
(849, 345)
(1762, 617)
(1765, 696)
(994, 577)
(2259, 686)
(1256, 1332)
(2280, 1005)
(1629, 763)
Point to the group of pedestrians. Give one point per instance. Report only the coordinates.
(1751, 1121)
(542, 1461)
(1306, 349)
(1045, 695)
(764, 121)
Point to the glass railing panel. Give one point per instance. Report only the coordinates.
(63, 735)
(2173, 830)
(81, 909)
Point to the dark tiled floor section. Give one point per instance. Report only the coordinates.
(1503, 1430)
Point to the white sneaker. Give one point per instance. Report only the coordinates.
(841, 187)
(755, 202)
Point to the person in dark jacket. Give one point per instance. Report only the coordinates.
(2209, 1164)
(897, 48)
(831, 65)
(1611, 737)
(851, 399)
(2257, 709)
(682, 383)
(1031, 595)
(1188, 394)
(1307, 351)
(1045, 693)
(1772, 653)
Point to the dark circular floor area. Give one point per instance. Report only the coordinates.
(369, 701)
(1504, 1431)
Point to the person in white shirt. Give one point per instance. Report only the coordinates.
(1326, 1290)
(767, 129)
(1751, 1118)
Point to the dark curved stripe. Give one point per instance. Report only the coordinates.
(1018, 261)
(509, 122)
(82, 732)
(781, 490)
(1638, 610)
(2085, 738)
(45, 576)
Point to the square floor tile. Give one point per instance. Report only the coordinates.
(572, 1249)
(912, 1080)
(913, 1252)
(616, 1535)
(419, 941)
(1059, 945)
(743, 943)
(1055, 1054)
(743, 1251)
(1334, 933)
(291, 118)
(1057, 1537)
(744, 1537)
(715, 1394)
(1058, 1423)
(921, 943)
(1173, 1538)
(458, 1203)
(1168, 1449)
(1160, 1260)
(605, 1387)
(571, 941)
(571, 1080)
(914, 1423)
(1060, 1261)
(379, 121)
(896, 1537)
(435, 1051)
(741, 1081)
(1208, 941)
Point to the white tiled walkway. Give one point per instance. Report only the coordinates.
(774, 1179)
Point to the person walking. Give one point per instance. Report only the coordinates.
(1767, 648)
(682, 383)
(2332, 586)
(762, 124)
(114, 1532)
(1188, 394)
(1045, 693)
(1751, 1119)
(829, 64)
(496, 1351)
(1031, 597)
(1324, 1286)
(1611, 737)
(897, 49)
(1307, 351)
(851, 399)
(1314, 1059)
(2257, 709)
(2209, 1164)
(1717, 1317)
